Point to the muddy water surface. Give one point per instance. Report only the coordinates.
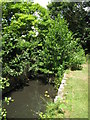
(29, 100)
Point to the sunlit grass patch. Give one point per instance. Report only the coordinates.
(77, 97)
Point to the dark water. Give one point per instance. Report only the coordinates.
(29, 100)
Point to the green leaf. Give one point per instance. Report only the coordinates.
(7, 84)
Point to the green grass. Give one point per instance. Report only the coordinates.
(77, 96)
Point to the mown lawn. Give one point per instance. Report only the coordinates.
(76, 93)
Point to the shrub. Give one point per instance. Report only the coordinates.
(25, 26)
(35, 44)
(61, 51)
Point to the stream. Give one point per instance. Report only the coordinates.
(29, 100)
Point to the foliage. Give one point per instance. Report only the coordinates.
(77, 59)
(54, 110)
(35, 44)
(77, 17)
(24, 29)
(3, 84)
(61, 50)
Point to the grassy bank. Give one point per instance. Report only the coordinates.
(77, 93)
(75, 99)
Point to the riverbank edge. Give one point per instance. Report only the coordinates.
(60, 89)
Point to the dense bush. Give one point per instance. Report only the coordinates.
(35, 44)
(24, 29)
(61, 50)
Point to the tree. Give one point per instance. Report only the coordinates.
(33, 43)
(24, 27)
(77, 18)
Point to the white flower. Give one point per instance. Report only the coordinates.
(33, 27)
(37, 33)
(23, 35)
